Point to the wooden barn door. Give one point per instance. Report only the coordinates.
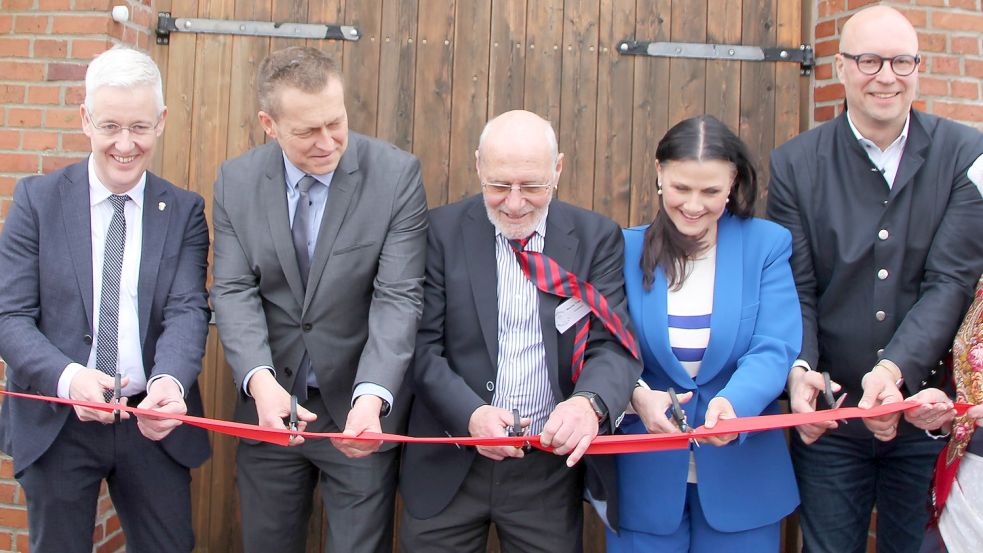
(426, 75)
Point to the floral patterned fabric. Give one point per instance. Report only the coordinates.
(967, 368)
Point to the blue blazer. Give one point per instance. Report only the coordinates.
(755, 335)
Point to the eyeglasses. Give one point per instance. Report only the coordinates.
(500, 189)
(871, 64)
(114, 129)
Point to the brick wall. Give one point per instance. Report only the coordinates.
(950, 42)
(44, 48)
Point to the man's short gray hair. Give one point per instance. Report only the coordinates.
(123, 67)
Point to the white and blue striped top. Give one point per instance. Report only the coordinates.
(689, 310)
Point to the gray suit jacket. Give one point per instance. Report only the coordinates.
(359, 315)
(456, 360)
(46, 311)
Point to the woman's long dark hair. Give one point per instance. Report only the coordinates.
(702, 138)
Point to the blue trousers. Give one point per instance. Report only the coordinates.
(695, 535)
(841, 479)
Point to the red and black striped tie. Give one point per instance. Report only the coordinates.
(547, 275)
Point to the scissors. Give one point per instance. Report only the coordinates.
(517, 429)
(293, 414)
(833, 403)
(117, 389)
(679, 416)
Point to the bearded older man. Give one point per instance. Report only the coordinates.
(492, 345)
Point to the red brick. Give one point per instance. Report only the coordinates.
(19, 5)
(15, 47)
(98, 533)
(62, 118)
(931, 42)
(46, 48)
(6, 23)
(115, 543)
(824, 113)
(18, 163)
(50, 164)
(974, 68)
(929, 86)
(23, 543)
(6, 464)
(824, 71)
(827, 48)
(6, 541)
(920, 105)
(12, 517)
(828, 92)
(81, 24)
(964, 4)
(93, 5)
(9, 140)
(21, 70)
(74, 95)
(931, 2)
(54, 5)
(66, 72)
(23, 117)
(87, 48)
(854, 4)
(946, 65)
(75, 142)
(966, 89)
(965, 45)
(11, 93)
(44, 95)
(40, 140)
(143, 18)
(957, 21)
(918, 18)
(31, 24)
(826, 29)
(8, 492)
(959, 112)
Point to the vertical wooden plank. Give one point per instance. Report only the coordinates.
(288, 11)
(650, 108)
(758, 89)
(327, 12)
(247, 53)
(578, 101)
(161, 56)
(787, 75)
(397, 66)
(612, 167)
(544, 60)
(179, 96)
(507, 57)
(687, 77)
(470, 95)
(723, 77)
(432, 112)
(361, 65)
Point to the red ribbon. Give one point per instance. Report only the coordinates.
(619, 443)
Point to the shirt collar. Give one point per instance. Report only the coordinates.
(294, 174)
(99, 193)
(867, 143)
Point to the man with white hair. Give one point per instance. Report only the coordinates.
(102, 298)
(497, 354)
(885, 220)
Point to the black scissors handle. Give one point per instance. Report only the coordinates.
(678, 415)
(517, 429)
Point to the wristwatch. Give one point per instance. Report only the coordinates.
(596, 403)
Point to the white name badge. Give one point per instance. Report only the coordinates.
(569, 312)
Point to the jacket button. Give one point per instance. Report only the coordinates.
(307, 327)
(880, 315)
(883, 234)
(880, 353)
(490, 386)
(87, 339)
(288, 371)
(882, 274)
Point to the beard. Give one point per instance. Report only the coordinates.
(517, 230)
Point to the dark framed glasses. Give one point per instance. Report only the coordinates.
(871, 64)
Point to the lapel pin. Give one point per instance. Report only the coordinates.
(161, 206)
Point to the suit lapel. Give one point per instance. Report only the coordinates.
(155, 225)
(78, 229)
(560, 245)
(479, 255)
(913, 157)
(345, 181)
(274, 196)
(727, 285)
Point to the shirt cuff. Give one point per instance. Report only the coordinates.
(245, 381)
(159, 376)
(65, 380)
(368, 388)
(802, 363)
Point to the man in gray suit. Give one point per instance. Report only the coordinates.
(104, 275)
(320, 239)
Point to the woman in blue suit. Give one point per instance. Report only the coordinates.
(711, 293)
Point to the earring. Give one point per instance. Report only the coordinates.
(659, 187)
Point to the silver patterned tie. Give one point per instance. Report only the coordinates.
(107, 347)
(301, 224)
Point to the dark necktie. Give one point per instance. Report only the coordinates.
(299, 230)
(547, 275)
(107, 347)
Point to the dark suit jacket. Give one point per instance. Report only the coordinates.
(46, 311)
(825, 190)
(359, 315)
(457, 346)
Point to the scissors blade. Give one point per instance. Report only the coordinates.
(117, 393)
(678, 415)
(517, 429)
(293, 413)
